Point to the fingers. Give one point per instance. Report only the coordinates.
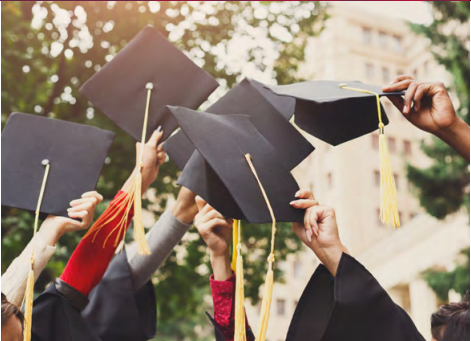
(93, 194)
(422, 91)
(82, 207)
(156, 136)
(200, 203)
(304, 194)
(161, 156)
(79, 215)
(77, 202)
(409, 97)
(304, 203)
(398, 102)
(398, 84)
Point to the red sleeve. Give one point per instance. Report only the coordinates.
(91, 258)
(223, 293)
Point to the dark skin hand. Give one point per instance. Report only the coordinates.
(428, 106)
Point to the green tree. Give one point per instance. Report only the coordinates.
(443, 188)
(49, 49)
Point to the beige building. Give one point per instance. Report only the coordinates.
(373, 48)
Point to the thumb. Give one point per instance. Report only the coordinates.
(200, 203)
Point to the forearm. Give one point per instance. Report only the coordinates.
(457, 137)
(162, 238)
(221, 265)
(331, 256)
(91, 258)
(14, 279)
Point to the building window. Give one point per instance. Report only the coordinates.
(407, 148)
(375, 141)
(377, 178)
(400, 72)
(400, 217)
(369, 70)
(385, 72)
(397, 44)
(412, 215)
(391, 144)
(415, 74)
(383, 39)
(330, 181)
(367, 35)
(297, 269)
(426, 68)
(396, 180)
(280, 307)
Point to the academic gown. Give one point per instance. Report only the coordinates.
(111, 312)
(350, 307)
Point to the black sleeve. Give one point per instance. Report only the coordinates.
(115, 312)
(353, 306)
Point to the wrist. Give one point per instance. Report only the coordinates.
(221, 266)
(185, 211)
(452, 131)
(330, 256)
(50, 234)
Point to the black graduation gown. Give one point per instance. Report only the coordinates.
(111, 312)
(351, 307)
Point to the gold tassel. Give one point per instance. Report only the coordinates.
(28, 303)
(240, 334)
(389, 211)
(266, 302)
(132, 199)
(268, 291)
(29, 293)
(235, 242)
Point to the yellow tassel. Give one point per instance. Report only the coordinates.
(28, 304)
(235, 242)
(240, 334)
(139, 233)
(266, 302)
(389, 212)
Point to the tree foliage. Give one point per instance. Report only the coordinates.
(50, 48)
(443, 187)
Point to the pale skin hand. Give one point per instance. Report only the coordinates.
(428, 106)
(185, 208)
(154, 157)
(54, 227)
(217, 233)
(319, 231)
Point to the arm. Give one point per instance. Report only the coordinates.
(162, 238)
(51, 230)
(217, 232)
(428, 106)
(89, 261)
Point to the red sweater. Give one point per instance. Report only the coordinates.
(88, 263)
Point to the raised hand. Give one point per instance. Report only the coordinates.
(217, 233)
(54, 227)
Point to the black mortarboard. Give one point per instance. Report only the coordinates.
(119, 88)
(337, 112)
(269, 114)
(353, 306)
(223, 141)
(76, 155)
(334, 114)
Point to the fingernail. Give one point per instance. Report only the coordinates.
(404, 110)
(159, 129)
(308, 236)
(293, 203)
(298, 193)
(315, 232)
(69, 209)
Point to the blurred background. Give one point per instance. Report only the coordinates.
(49, 49)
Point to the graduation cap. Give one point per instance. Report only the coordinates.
(254, 184)
(46, 163)
(337, 112)
(269, 113)
(134, 88)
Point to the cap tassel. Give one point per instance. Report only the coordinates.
(235, 242)
(28, 303)
(240, 333)
(389, 211)
(268, 291)
(29, 293)
(133, 198)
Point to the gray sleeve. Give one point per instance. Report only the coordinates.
(162, 238)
